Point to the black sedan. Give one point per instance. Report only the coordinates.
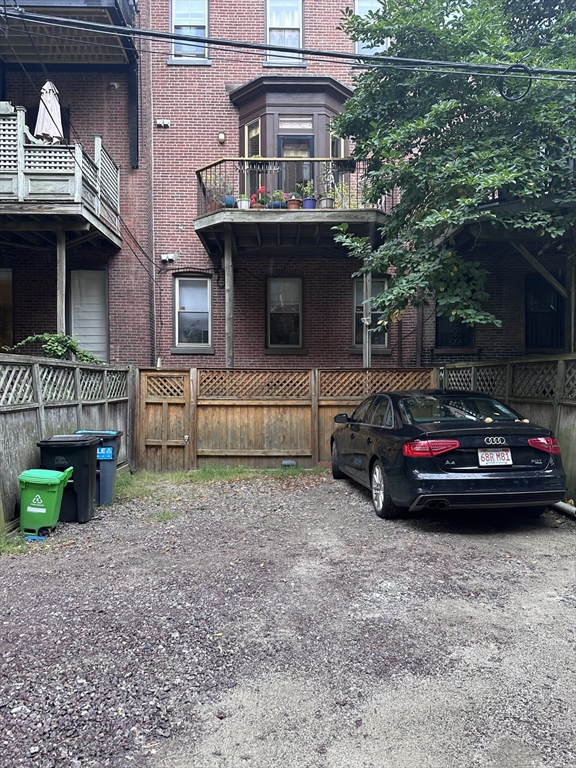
(441, 449)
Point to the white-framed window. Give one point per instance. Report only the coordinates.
(190, 17)
(6, 308)
(361, 8)
(193, 311)
(379, 336)
(284, 27)
(89, 310)
(284, 316)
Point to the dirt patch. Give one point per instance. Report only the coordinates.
(276, 622)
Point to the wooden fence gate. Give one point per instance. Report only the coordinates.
(164, 421)
(251, 417)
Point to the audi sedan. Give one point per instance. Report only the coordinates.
(444, 449)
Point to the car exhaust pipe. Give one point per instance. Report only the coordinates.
(437, 504)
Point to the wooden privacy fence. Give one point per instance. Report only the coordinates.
(542, 388)
(40, 398)
(252, 417)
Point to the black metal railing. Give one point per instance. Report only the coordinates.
(272, 182)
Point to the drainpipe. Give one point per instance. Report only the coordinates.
(367, 320)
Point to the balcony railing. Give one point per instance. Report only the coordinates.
(340, 180)
(38, 173)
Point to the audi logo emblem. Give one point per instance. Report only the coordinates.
(495, 440)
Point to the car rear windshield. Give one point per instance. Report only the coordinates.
(456, 408)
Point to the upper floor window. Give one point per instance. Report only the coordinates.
(284, 27)
(378, 336)
(361, 9)
(190, 17)
(193, 307)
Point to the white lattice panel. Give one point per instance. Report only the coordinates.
(92, 385)
(57, 384)
(254, 384)
(117, 384)
(49, 159)
(16, 385)
(570, 381)
(8, 142)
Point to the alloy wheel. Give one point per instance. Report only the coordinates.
(377, 487)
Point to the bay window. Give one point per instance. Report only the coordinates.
(193, 309)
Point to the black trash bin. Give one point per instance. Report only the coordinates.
(106, 463)
(78, 451)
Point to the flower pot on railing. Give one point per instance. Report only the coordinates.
(326, 202)
(257, 206)
(294, 203)
(277, 204)
(228, 201)
(243, 203)
(309, 202)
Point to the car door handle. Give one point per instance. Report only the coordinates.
(352, 437)
(368, 440)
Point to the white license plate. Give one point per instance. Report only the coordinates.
(497, 458)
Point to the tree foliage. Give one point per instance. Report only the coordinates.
(449, 139)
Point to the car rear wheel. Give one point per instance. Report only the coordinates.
(337, 473)
(383, 504)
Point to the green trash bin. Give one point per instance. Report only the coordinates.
(40, 499)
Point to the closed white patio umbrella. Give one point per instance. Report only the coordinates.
(49, 122)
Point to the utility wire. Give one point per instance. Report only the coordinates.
(375, 59)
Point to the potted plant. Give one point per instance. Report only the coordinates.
(243, 202)
(308, 194)
(326, 200)
(259, 198)
(278, 199)
(294, 203)
(228, 199)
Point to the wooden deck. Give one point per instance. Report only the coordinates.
(46, 188)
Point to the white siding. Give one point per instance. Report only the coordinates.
(89, 315)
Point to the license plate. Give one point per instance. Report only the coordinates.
(497, 458)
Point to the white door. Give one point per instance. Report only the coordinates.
(89, 315)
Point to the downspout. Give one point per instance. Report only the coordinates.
(563, 506)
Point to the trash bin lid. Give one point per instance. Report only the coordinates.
(100, 432)
(70, 441)
(42, 476)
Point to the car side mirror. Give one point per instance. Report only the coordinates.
(341, 418)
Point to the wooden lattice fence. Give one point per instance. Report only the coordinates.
(542, 388)
(250, 417)
(39, 399)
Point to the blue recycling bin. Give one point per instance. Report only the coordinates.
(106, 462)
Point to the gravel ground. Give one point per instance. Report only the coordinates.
(277, 623)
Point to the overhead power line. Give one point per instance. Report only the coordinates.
(370, 60)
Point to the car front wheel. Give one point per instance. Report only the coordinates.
(383, 504)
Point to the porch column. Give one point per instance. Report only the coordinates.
(229, 298)
(61, 281)
(366, 321)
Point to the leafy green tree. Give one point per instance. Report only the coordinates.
(452, 139)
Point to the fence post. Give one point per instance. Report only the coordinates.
(37, 384)
(132, 407)
(558, 395)
(78, 385)
(473, 371)
(193, 418)
(509, 388)
(314, 420)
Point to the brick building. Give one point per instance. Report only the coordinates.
(126, 240)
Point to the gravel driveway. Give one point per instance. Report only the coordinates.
(277, 623)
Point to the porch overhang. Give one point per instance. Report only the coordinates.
(23, 226)
(306, 232)
(42, 38)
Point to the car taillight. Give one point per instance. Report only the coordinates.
(423, 448)
(546, 444)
